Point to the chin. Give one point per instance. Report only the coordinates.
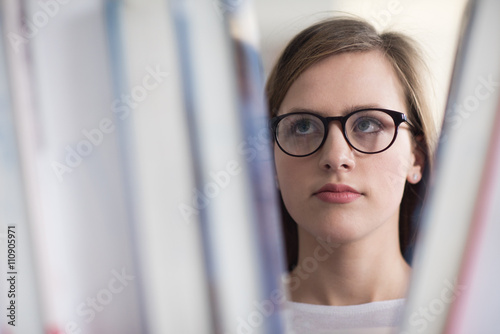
(336, 230)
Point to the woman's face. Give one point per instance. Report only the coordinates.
(334, 87)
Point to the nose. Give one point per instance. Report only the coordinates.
(336, 153)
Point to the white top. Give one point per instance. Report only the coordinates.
(384, 316)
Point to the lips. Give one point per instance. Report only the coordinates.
(337, 193)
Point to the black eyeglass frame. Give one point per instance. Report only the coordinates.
(398, 118)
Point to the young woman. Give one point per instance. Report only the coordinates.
(353, 139)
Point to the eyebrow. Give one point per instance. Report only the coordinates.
(344, 111)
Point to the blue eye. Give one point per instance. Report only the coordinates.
(367, 125)
(303, 127)
(300, 126)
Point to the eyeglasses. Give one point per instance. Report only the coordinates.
(369, 131)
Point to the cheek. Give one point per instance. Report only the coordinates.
(390, 173)
(284, 171)
(290, 174)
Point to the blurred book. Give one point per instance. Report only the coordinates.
(224, 105)
(73, 171)
(142, 200)
(257, 150)
(462, 188)
(477, 303)
(149, 109)
(19, 291)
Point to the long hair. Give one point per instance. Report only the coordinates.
(345, 34)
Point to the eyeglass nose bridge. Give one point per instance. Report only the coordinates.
(342, 120)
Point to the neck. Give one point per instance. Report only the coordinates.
(357, 272)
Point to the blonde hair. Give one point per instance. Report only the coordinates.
(345, 34)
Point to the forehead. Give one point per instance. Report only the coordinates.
(339, 83)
